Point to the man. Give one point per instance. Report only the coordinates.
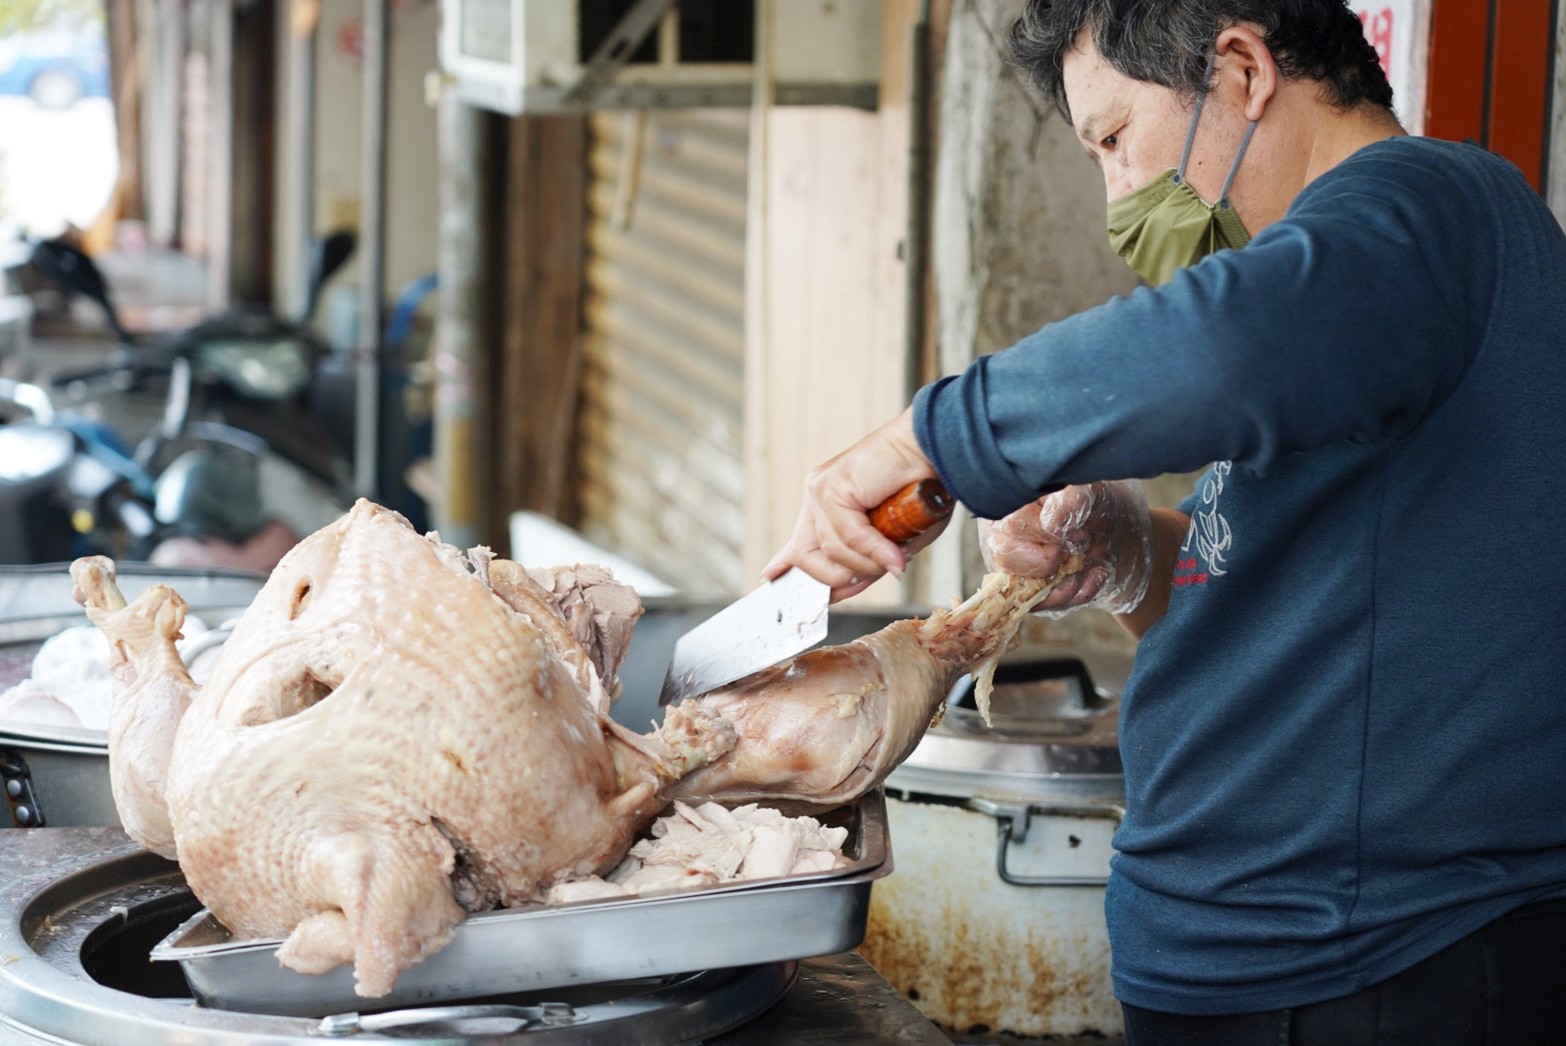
(1345, 735)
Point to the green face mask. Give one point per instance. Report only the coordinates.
(1165, 226)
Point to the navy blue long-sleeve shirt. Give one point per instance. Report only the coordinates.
(1345, 742)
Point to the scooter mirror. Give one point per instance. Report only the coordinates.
(327, 255)
(71, 268)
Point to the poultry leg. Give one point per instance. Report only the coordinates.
(827, 726)
(152, 693)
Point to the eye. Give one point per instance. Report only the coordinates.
(1110, 141)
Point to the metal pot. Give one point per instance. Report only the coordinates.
(74, 777)
(58, 776)
(994, 919)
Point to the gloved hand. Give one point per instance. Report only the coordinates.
(1105, 523)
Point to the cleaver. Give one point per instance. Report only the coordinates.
(787, 614)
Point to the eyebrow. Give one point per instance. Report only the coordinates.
(1089, 136)
(1090, 127)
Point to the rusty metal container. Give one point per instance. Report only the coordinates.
(993, 922)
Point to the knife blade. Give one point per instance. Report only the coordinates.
(788, 614)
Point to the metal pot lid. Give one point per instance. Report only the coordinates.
(23, 734)
(1053, 730)
(35, 600)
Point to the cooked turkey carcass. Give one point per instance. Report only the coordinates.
(396, 734)
(384, 742)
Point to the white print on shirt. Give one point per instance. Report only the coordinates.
(1209, 534)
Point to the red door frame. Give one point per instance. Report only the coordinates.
(1491, 77)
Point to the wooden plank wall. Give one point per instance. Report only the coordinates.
(696, 423)
(533, 381)
(826, 348)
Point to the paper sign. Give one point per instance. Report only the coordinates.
(1400, 32)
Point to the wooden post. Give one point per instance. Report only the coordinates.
(536, 387)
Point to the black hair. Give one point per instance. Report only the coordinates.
(1168, 42)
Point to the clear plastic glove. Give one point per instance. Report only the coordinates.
(1107, 524)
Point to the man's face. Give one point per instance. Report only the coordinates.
(1135, 131)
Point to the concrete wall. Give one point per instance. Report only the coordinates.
(1555, 191)
(411, 190)
(1019, 208)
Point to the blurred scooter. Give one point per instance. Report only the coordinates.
(67, 487)
(240, 469)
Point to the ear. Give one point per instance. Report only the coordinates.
(1245, 57)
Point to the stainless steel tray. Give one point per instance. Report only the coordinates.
(588, 942)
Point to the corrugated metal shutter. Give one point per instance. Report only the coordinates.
(661, 428)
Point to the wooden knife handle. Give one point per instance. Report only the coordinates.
(912, 510)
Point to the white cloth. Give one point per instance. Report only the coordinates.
(70, 683)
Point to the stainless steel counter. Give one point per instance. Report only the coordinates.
(837, 999)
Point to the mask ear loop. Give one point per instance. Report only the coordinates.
(1196, 118)
(1234, 168)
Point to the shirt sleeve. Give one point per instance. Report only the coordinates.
(1346, 320)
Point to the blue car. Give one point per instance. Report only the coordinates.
(55, 68)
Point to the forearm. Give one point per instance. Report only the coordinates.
(1170, 527)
